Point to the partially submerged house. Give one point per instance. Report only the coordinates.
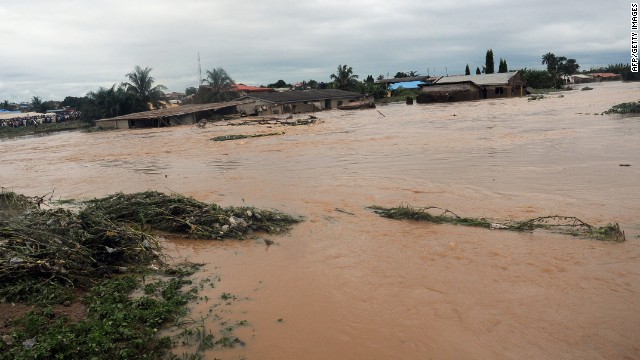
(180, 115)
(606, 76)
(473, 87)
(298, 101)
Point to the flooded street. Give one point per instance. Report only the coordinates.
(348, 284)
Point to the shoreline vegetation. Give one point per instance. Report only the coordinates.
(105, 261)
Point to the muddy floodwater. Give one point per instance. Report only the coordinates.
(348, 284)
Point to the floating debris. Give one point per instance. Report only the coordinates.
(561, 224)
(39, 247)
(185, 215)
(237, 137)
(625, 108)
(586, 88)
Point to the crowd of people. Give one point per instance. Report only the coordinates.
(35, 120)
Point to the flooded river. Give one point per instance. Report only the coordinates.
(347, 284)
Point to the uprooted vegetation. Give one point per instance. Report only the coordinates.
(98, 255)
(555, 223)
(243, 136)
(625, 108)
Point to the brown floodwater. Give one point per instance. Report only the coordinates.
(347, 284)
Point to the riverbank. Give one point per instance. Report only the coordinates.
(11, 132)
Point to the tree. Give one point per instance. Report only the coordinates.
(220, 87)
(400, 74)
(5, 105)
(114, 101)
(489, 63)
(550, 60)
(312, 84)
(369, 79)
(344, 78)
(35, 103)
(558, 66)
(73, 102)
(140, 84)
(537, 79)
(478, 72)
(502, 68)
(467, 71)
(569, 67)
(190, 91)
(279, 84)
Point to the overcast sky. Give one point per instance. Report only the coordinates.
(58, 48)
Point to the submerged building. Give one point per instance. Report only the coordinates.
(180, 115)
(473, 87)
(298, 101)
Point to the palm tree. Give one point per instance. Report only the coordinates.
(140, 84)
(36, 102)
(220, 86)
(551, 61)
(344, 78)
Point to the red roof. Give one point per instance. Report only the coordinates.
(247, 88)
(604, 74)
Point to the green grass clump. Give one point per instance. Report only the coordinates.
(117, 325)
(556, 223)
(625, 108)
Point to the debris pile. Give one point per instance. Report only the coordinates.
(242, 136)
(561, 224)
(109, 235)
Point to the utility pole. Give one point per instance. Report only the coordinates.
(199, 71)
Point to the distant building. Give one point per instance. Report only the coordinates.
(577, 79)
(606, 76)
(473, 87)
(179, 115)
(242, 88)
(298, 101)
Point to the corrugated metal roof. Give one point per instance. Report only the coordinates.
(479, 79)
(404, 79)
(177, 111)
(302, 95)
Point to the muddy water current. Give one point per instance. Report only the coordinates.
(347, 284)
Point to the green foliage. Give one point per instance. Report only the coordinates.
(478, 72)
(35, 103)
(344, 79)
(180, 214)
(190, 91)
(467, 71)
(312, 84)
(5, 105)
(73, 102)
(502, 68)
(563, 224)
(625, 108)
(141, 85)
(279, 84)
(537, 79)
(117, 325)
(558, 66)
(489, 64)
(219, 87)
